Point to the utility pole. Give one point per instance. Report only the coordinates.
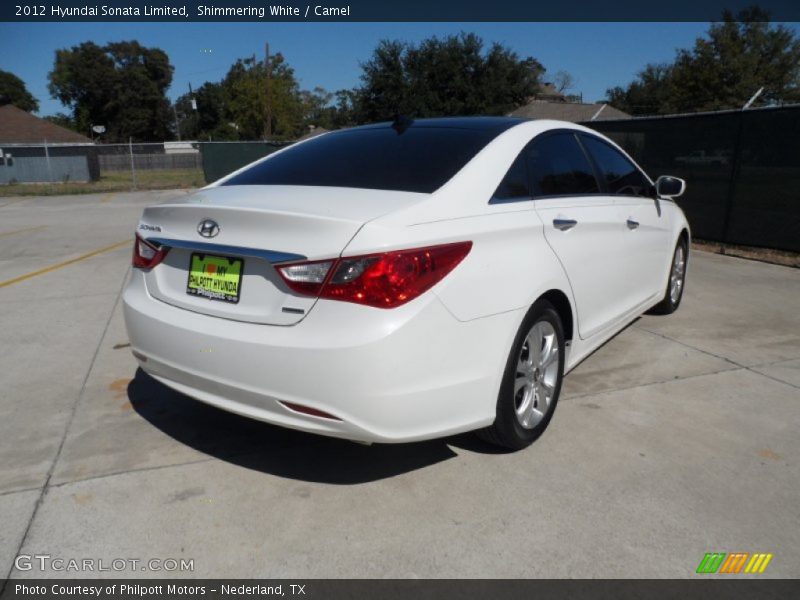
(268, 102)
(177, 123)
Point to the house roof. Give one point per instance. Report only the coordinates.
(549, 92)
(20, 127)
(568, 111)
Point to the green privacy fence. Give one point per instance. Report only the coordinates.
(742, 170)
(222, 158)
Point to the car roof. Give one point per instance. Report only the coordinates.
(495, 125)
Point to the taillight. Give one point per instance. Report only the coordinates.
(306, 278)
(146, 255)
(382, 280)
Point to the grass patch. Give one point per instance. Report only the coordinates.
(112, 181)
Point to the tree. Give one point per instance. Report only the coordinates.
(439, 77)
(121, 85)
(345, 108)
(62, 120)
(246, 94)
(563, 81)
(738, 56)
(209, 120)
(236, 107)
(328, 110)
(650, 93)
(13, 91)
(317, 108)
(385, 88)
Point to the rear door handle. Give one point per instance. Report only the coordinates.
(632, 224)
(564, 224)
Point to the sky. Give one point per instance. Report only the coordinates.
(597, 55)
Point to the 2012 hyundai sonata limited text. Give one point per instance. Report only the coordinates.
(405, 281)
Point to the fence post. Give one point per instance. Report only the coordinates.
(47, 158)
(735, 167)
(133, 166)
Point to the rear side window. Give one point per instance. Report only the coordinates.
(420, 159)
(621, 175)
(558, 166)
(515, 184)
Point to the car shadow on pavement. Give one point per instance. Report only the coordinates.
(278, 451)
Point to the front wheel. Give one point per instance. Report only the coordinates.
(676, 282)
(531, 382)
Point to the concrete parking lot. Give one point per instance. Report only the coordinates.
(677, 438)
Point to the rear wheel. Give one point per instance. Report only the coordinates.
(531, 381)
(676, 282)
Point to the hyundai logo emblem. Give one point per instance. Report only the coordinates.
(208, 228)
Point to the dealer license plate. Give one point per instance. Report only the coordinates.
(215, 277)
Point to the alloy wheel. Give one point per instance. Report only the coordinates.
(677, 275)
(536, 374)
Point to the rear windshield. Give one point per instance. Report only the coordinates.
(419, 159)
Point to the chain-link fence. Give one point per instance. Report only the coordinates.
(126, 166)
(742, 170)
(144, 166)
(108, 166)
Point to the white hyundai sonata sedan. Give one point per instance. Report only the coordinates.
(405, 281)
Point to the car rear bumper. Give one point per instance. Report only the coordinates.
(406, 374)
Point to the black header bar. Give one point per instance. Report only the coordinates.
(374, 10)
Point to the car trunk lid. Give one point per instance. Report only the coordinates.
(254, 228)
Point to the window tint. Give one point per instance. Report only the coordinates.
(420, 159)
(620, 174)
(515, 184)
(558, 166)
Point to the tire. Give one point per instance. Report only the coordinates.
(676, 282)
(529, 380)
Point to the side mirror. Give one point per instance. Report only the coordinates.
(670, 187)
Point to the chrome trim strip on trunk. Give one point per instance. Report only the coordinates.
(272, 256)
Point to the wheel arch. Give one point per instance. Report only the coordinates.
(563, 307)
(685, 237)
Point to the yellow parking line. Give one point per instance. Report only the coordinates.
(64, 264)
(108, 197)
(5, 233)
